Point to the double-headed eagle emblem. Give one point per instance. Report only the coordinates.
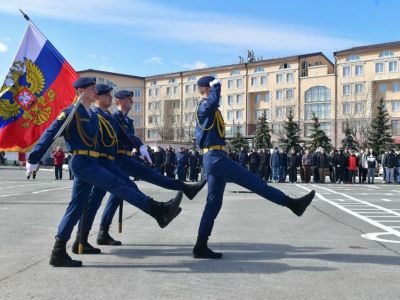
(28, 99)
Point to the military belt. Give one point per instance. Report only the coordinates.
(216, 147)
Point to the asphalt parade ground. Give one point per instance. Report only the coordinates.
(346, 246)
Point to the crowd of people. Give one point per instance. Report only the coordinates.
(274, 165)
(340, 165)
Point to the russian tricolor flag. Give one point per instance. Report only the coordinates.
(37, 87)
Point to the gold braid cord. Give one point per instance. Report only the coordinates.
(217, 119)
(88, 141)
(105, 125)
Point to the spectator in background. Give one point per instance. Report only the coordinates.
(181, 163)
(293, 163)
(2, 158)
(193, 162)
(58, 157)
(170, 162)
(243, 157)
(352, 166)
(275, 164)
(268, 170)
(283, 168)
(254, 161)
(159, 160)
(389, 163)
(372, 163)
(314, 165)
(263, 162)
(322, 165)
(398, 166)
(306, 163)
(362, 166)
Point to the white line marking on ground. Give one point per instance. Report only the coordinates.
(386, 200)
(358, 215)
(2, 196)
(48, 190)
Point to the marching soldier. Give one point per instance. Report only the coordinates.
(81, 138)
(210, 136)
(117, 139)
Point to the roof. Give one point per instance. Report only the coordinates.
(367, 48)
(111, 73)
(213, 69)
(234, 66)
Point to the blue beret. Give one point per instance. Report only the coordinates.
(84, 82)
(205, 81)
(123, 94)
(102, 88)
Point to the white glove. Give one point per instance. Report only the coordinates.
(214, 82)
(144, 154)
(31, 168)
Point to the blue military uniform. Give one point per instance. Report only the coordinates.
(117, 139)
(210, 136)
(81, 137)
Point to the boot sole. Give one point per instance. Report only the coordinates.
(191, 197)
(176, 212)
(197, 256)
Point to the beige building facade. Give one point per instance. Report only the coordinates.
(338, 94)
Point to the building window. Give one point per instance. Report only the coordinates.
(359, 107)
(396, 127)
(152, 134)
(359, 70)
(321, 111)
(284, 66)
(386, 53)
(259, 70)
(150, 92)
(176, 104)
(347, 108)
(157, 92)
(235, 73)
(192, 78)
(154, 82)
(253, 81)
(259, 113)
(187, 88)
(346, 71)
(239, 115)
(279, 112)
(239, 83)
(289, 94)
(379, 68)
(230, 100)
(396, 87)
(230, 84)
(359, 88)
(393, 66)
(279, 78)
(267, 96)
(137, 106)
(346, 89)
(318, 94)
(168, 90)
(263, 80)
(173, 80)
(175, 90)
(279, 95)
(382, 88)
(239, 99)
(229, 115)
(258, 98)
(352, 58)
(194, 88)
(289, 77)
(395, 105)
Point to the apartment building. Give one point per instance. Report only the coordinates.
(338, 94)
(364, 75)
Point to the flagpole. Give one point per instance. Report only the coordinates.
(26, 17)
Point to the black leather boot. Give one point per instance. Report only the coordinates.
(165, 212)
(299, 205)
(104, 238)
(201, 250)
(59, 256)
(192, 189)
(87, 248)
